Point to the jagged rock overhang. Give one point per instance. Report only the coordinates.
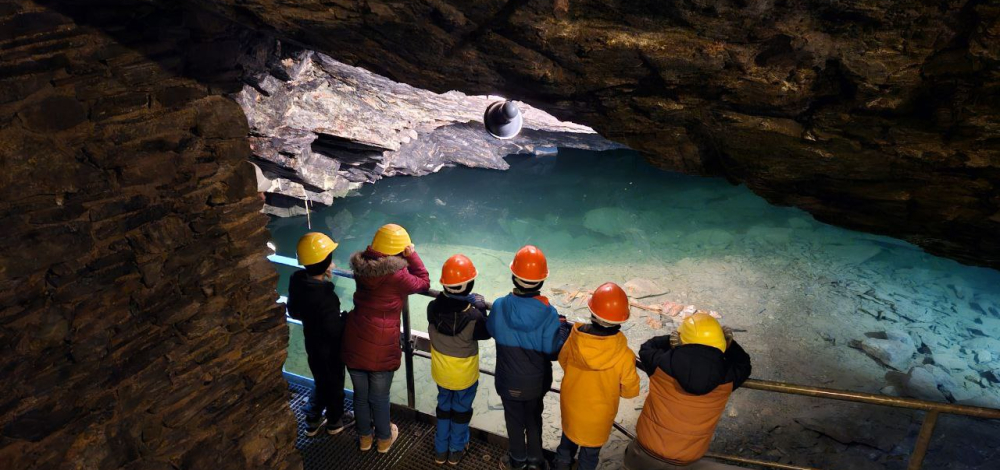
(320, 129)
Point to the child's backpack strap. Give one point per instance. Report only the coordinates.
(543, 299)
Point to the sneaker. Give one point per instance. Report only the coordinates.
(542, 465)
(507, 464)
(560, 465)
(456, 457)
(385, 444)
(313, 425)
(440, 458)
(365, 443)
(345, 421)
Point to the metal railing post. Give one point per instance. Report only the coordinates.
(923, 440)
(411, 393)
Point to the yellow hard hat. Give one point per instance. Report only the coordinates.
(701, 328)
(314, 247)
(391, 239)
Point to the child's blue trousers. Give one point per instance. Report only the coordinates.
(454, 411)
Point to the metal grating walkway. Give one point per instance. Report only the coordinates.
(413, 451)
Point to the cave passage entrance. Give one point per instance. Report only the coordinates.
(801, 294)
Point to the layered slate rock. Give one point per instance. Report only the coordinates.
(878, 115)
(320, 128)
(138, 323)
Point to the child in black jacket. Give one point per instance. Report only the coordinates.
(312, 300)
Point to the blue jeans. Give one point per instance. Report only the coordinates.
(371, 402)
(454, 411)
(588, 458)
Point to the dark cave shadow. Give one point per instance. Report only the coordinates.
(184, 40)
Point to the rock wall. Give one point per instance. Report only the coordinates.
(879, 115)
(320, 128)
(138, 324)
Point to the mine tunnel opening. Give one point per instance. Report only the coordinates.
(814, 303)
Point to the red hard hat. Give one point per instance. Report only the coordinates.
(457, 270)
(610, 304)
(529, 264)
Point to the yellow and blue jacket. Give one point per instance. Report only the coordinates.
(455, 327)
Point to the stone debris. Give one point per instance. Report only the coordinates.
(985, 344)
(672, 309)
(921, 382)
(890, 390)
(983, 356)
(950, 360)
(965, 393)
(577, 298)
(895, 351)
(639, 288)
(687, 311)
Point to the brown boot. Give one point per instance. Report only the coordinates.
(366, 443)
(385, 444)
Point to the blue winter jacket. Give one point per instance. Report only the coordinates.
(527, 333)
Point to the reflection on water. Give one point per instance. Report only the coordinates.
(803, 292)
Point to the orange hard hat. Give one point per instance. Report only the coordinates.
(609, 304)
(529, 264)
(457, 271)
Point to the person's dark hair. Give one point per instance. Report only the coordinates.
(319, 268)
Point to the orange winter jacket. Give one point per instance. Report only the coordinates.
(597, 371)
(688, 389)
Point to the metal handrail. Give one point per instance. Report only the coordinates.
(417, 343)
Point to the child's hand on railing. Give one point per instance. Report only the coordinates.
(479, 302)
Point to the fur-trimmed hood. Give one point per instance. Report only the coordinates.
(365, 266)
